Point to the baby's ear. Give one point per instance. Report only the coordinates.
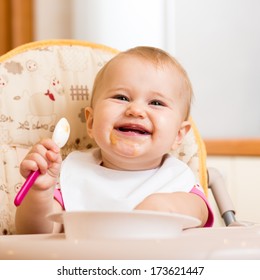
(184, 129)
(89, 120)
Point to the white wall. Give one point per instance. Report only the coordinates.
(218, 42)
(120, 24)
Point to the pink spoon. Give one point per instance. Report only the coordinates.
(60, 137)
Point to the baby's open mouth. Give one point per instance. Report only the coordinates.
(135, 129)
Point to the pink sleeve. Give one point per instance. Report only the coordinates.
(58, 197)
(198, 191)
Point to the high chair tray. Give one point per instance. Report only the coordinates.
(192, 244)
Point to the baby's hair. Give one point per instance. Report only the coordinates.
(159, 58)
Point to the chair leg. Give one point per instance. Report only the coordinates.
(218, 187)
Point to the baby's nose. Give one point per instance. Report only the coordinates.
(135, 109)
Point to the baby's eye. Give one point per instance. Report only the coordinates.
(121, 97)
(157, 103)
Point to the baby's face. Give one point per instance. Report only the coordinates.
(138, 114)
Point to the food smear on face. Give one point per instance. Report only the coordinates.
(125, 145)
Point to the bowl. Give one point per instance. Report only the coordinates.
(123, 225)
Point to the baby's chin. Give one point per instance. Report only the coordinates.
(129, 157)
(127, 149)
(125, 146)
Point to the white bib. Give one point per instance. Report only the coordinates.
(88, 186)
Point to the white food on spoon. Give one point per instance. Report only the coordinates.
(61, 132)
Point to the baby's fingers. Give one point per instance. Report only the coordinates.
(27, 166)
(33, 162)
(53, 157)
(40, 157)
(44, 146)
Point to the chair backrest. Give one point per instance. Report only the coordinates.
(41, 82)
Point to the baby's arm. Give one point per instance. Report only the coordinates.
(39, 201)
(179, 202)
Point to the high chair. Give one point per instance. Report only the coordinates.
(41, 82)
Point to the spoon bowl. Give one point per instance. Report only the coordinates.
(61, 132)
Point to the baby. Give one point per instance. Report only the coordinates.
(139, 112)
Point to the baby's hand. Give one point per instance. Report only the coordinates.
(46, 157)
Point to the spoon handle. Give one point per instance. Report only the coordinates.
(26, 186)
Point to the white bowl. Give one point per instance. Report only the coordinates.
(123, 225)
